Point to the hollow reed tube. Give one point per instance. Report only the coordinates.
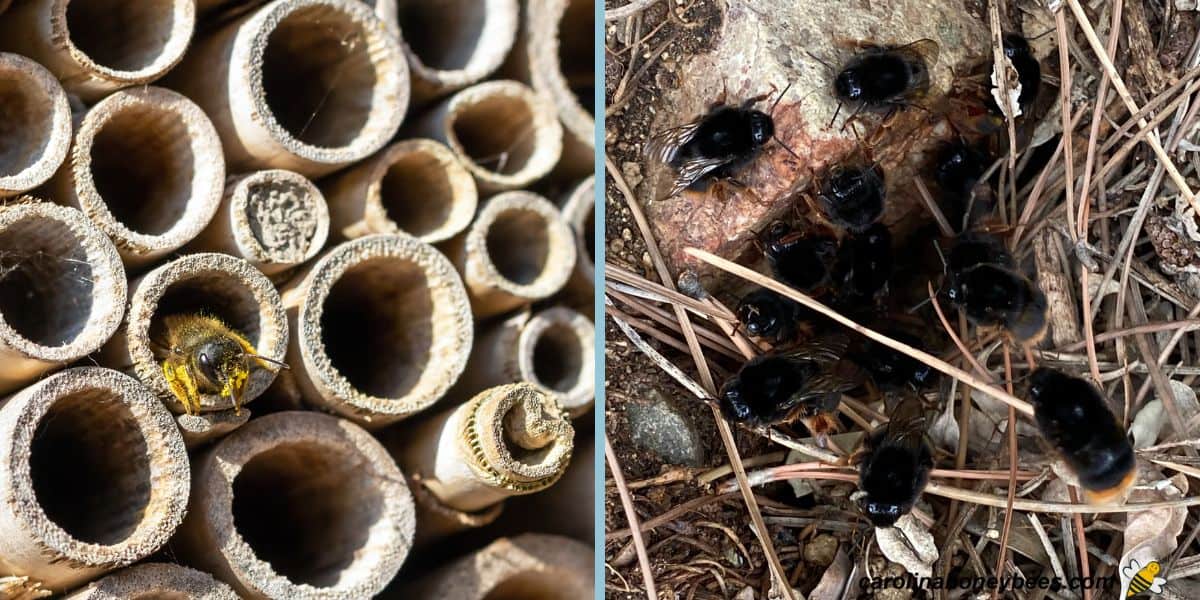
(450, 45)
(165, 581)
(530, 565)
(35, 124)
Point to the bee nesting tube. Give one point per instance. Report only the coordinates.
(304, 85)
(506, 441)
(93, 476)
(211, 284)
(546, 567)
(553, 349)
(381, 328)
(35, 124)
(147, 168)
(553, 54)
(62, 290)
(450, 45)
(416, 186)
(580, 212)
(164, 581)
(274, 219)
(299, 505)
(518, 250)
(96, 47)
(506, 135)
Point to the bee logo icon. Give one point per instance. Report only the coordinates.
(1142, 579)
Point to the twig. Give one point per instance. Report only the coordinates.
(631, 516)
(1041, 506)
(633, 8)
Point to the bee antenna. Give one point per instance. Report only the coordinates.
(785, 147)
(778, 99)
(278, 363)
(829, 66)
(938, 248)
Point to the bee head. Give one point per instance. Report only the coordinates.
(882, 514)
(758, 321)
(1015, 45)
(732, 403)
(848, 85)
(954, 294)
(762, 127)
(220, 360)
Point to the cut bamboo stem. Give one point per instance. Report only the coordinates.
(304, 85)
(505, 134)
(62, 290)
(198, 430)
(35, 130)
(146, 167)
(580, 212)
(553, 54)
(450, 45)
(553, 349)
(165, 581)
(94, 477)
(384, 9)
(518, 250)
(416, 186)
(298, 505)
(526, 566)
(95, 47)
(274, 219)
(211, 284)
(381, 328)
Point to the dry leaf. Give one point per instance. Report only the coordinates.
(1148, 424)
(801, 487)
(908, 544)
(1185, 401)
(833, 582)
(1153, 534)
(1012, 108)
(1186, 5)
(944, 430)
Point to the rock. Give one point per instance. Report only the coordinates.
(656, 425)
(821, 550)
(765, 43)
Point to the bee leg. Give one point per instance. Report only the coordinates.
(183, 386)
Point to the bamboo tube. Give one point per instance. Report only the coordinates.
(95, 47)
(506, 441)
(384, 9)
(147, 168)
(506, 135)
(198, 430)
(35, 124)
(212, 284)
(518, 250)
(164, 581)
(62, 290)
(553, 349)
(94, 477)
(580, 212)
(274, 219)
(450, 45)
(546, 567)
(304, 85)
(298, 505)
(553, 54)
(416, 186)
(567, 508)
(381, 328)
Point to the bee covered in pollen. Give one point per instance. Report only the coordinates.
(206, 356)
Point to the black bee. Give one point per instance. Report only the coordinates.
(768, 315)
(892, 369)
(1029, 70)
(864, 264)
(1075, 418)
(976, 248)
(804, 262)
(983, 280)
(853, 197)
(957, 170)
(805, 384)
(715, 145)
(886, 76)
(895, 463)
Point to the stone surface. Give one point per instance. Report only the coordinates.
(656, 425)
(765, 43)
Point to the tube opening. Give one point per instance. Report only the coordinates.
(211, 293)
(377, 326)
(589, 235)
(529, 585)
(306, 510)
(282, 219)
(556, 358)
(575, 55)
(161, 595)
(518, 242)
(318, 77)
(121, 35)
(496, 132)
(26, 120)
(143, 167)
(444, 35)
(90, 467)
(46, 282)
(417, 194)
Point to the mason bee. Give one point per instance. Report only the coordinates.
(891, 369)
(895, 463)
(853, 197)
(886, 76)
(803, 384)
(1075, 418)
(206, 356)
(864, 263)
(983, 281)
(769, 315)
(716, 145)
(804, 262)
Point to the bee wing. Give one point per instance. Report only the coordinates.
(826, 349)
(1132, 568)
(924, 49)
(664, 145)
(691, 171)
(906, 426)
